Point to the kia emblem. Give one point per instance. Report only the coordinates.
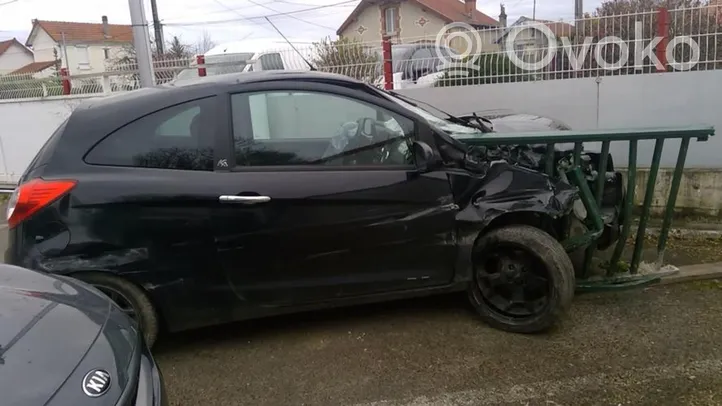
(96, 383)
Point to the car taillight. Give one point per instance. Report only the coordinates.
(32, 196)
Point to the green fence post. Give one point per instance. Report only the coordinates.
(672, 200)
(628, 204)
(648, 196)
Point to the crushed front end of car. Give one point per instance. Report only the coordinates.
(559, 165)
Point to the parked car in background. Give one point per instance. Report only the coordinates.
(251, 55)
(63, 343)
(415, 65)
(247, 195)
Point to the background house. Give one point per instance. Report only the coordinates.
(80, 47)
(416, 21)
(14, 55)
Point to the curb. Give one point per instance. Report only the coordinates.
(690, 273)
(681, 232)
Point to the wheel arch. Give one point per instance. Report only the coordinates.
(534, 218)
(162, 322)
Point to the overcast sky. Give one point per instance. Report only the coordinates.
(189, 18)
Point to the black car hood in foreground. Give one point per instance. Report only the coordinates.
(53, 332)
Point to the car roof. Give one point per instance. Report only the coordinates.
(211, 83)
(263, 76)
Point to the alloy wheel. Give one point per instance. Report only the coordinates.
(513, 281)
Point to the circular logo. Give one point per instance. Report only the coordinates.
(467, 38)
(547, 34)
(96, 383)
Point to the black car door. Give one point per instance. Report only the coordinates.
(309, 216)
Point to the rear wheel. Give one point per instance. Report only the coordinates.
(131, 300)
(523, 279)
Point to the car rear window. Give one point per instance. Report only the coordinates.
(179, 137)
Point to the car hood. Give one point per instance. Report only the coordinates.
(48, 328)
(508, 121)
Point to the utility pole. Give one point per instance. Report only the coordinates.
(141, 43)
(579, 16)
(159, 41)
(65, 53)
(533, 13)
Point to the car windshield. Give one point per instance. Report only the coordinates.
(219, 65)
(437, 119)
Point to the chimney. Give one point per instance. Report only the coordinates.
(469, 7)
(106, 34)
(502, 17)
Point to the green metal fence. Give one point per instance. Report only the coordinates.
(592, 199)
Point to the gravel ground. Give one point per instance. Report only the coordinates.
(654, 346)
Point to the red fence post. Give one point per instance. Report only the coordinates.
(201, 60)
(388, 65)
(662, 32)
(65, 80)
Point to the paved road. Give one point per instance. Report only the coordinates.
(658, 346)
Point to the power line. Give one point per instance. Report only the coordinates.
(219, 11)
(292, 16)
(9, 2)
(240, 15)
(262, 17)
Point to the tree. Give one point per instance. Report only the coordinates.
(177, 49)
(178, 56)
(346, 56)
(487, 68)
(204, 43)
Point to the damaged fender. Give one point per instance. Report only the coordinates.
(506, 194)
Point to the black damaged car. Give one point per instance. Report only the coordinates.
(248, 195)
(64, 343)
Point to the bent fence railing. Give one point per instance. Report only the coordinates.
(614, 277)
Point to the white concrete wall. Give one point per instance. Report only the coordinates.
(651, 100)
(14, 58)
(26, 127)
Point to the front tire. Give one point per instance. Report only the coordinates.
(131, 300)
(523, 279)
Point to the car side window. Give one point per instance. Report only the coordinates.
(281, 128)
(180, 137)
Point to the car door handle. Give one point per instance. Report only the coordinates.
(244, 199)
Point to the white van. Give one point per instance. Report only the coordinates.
(252, 55)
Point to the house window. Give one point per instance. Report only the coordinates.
(106, 53)
(391, 15)
(83, 56)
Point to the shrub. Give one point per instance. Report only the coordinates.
(488, 68)
(345, 56)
